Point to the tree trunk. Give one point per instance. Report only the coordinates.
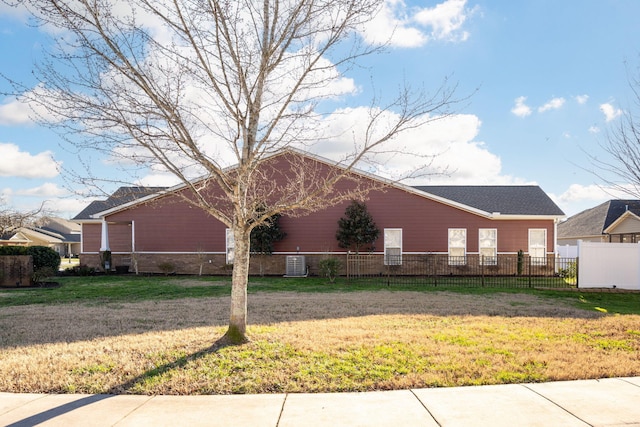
(237, 332)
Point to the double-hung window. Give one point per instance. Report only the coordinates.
(230, 246)
(538, 246)
(392, 246)
(488, 246)
(457, 246)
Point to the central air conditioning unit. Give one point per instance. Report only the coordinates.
(296, 266)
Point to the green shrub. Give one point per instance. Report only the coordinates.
(329, 268)
(570, 272)
(12, 250)
(44, 257)
(80, 270)
(105, 260)
(40, 275)
(167, 268)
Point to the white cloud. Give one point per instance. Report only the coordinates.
(582, 99)
(580, 197)
(446, 20)
(594, 129)
(553, 104)
(21, 164)
(401, 26)
(579, 192)
(17, 10)
(15, 112)
(65, 207)
(521, 109)
(45, 190)
(390, 25)
(610, 112)
(24, 109)
(158, 179)
(445, 145)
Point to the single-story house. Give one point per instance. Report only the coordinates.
(153, 226)
(59, 234)
(616, 221)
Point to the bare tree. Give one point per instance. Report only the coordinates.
(198, 85)
(619, 168)
(11, 219)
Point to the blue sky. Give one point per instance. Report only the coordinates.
(551, 78)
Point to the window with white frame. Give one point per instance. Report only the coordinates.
(392, 246)
(488, 246)
(230, 246)
(538, 246)
(457, 246)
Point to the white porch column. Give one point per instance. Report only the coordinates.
(104, 238)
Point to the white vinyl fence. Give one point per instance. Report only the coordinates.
(609, 265)
(567, 251)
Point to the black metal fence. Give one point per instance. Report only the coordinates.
(505, 270)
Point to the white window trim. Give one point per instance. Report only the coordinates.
(538, 260)
(229, 244)
(493, 260)
(395, 261)
(457, 260)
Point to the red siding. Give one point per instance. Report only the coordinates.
(424, 222)
(171, 225)
(91, 234)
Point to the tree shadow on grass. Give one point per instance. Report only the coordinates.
(124, 388)
(181, 362)
(66, 323)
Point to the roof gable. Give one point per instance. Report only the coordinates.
(121, 196)
(527, 200)
(597, 220)
(628, 222)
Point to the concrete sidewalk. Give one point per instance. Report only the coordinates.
(606, 402)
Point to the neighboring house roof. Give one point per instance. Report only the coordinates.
(121, 196)
(594, 221)
(503, 199)
(60, 225)
(52, 231)
(31, 235)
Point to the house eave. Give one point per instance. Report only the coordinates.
(520, 217)
(582, 237)
(99, 216)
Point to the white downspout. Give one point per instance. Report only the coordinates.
(133, 236)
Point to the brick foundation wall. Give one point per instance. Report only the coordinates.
(16, 270)
(212, 264)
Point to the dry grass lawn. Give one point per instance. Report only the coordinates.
(312, 342)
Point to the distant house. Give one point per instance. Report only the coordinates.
(60, 234)
(613, 221)
(150, 226)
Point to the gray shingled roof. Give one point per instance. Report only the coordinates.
(506, 199)
(121, 196)
(593, 222)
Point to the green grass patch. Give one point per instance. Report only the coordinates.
(129, 288)
(610, 302)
